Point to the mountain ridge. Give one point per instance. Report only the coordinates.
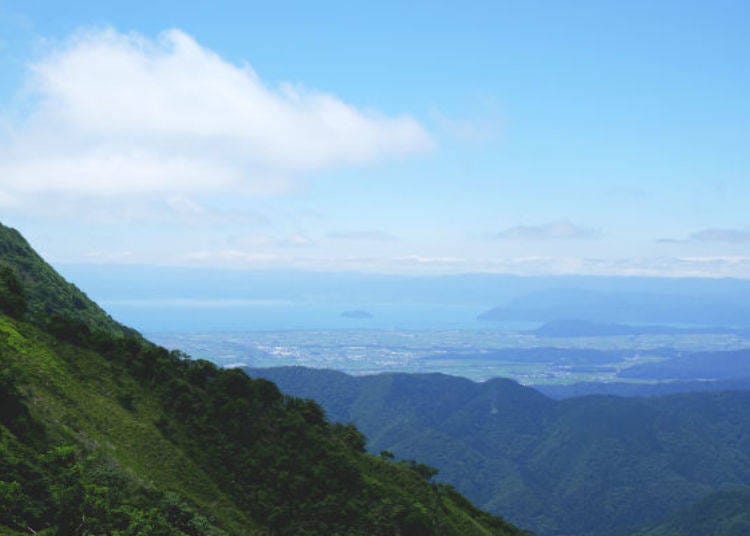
(592, 465)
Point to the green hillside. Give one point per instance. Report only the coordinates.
(48, 295)
(724, 513)
(102, 432)
(594, 465)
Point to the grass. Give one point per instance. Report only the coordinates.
(81, 394)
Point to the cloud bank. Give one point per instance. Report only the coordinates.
(557, 230)
(365, 236)
(707, 266)
(714, 236)
(113, 113)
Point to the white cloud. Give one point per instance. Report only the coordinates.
(115, 113)
(271, 255)
(228, 257)
(294, 241)
(421, 259)
(557, 230)
(364, 236)
(469, 130)
(197, 303)
(714, 267)
(713, 235)
(185, 206)
(108, 256)
(7, 200)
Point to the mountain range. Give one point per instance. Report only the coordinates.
(591, 465)
(671, 306)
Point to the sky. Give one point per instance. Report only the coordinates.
(392, 137)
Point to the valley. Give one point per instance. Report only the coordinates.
(478, 355)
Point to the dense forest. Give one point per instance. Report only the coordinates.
(598, 465)
(103, 432)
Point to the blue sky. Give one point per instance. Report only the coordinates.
(524, 137)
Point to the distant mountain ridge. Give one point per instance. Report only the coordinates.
(623, 307)
(561, 391)
(595, 465)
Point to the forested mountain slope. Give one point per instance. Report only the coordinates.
(724, 513)
(591, 465)
(102, 432)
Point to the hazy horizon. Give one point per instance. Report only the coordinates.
(163, 298)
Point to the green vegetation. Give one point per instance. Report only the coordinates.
(12, 295)
(102, 432)
(594, 465)
(724, 513)
(48, 295)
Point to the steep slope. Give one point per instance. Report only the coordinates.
(48, 295)
(102, 432)
(590, 465)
